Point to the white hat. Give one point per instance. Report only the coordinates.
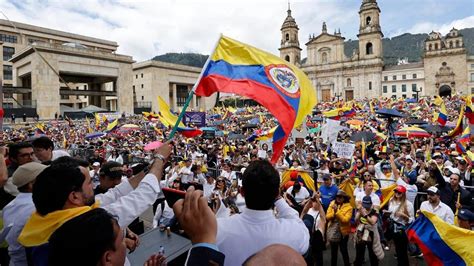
(433, 189)
(26, 173)
(453, 170)
(408, 157)
(96, 164)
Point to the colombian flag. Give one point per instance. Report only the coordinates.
(189, 132)
(442, 115)
(442, 243)
(282, 88)
(459, 125)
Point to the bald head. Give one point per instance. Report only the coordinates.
(276, 254)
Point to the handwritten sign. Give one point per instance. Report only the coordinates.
(343, 150)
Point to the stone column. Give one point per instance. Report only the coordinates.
(175, 98)
(124, 89)
(45, 85)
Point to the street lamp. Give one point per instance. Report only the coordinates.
(418, 91)
(337, 96)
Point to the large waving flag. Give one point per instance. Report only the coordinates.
(112, 126)
(443, 115)
(282, 88)
(459, 125)
(442, 243)
(166, 117)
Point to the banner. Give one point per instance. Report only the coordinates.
(195, 118)
(343, 150)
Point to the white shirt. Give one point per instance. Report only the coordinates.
(229, 175)
(393, 207)
(317, 218)
(375, 199)
(127, 203)
(242, 235)
(15, 214)
(301, 195)
(117, 159)
(412, 190)
(442, 211)
(186, 174)
(59, 153)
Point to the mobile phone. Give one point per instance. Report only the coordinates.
(137, 168)
(173, 195)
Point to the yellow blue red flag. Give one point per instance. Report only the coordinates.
(279, 86)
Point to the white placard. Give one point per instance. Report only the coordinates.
(343, 150)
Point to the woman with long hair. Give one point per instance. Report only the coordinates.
(339, 213)
(315, 219)
(401, 214)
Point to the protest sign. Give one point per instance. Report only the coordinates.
(343, 150)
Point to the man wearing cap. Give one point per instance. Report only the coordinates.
(439, 160)
(94, 173)
(17, 212)
(328, 191)
(464, 170)
(434, 205)
(110, 175)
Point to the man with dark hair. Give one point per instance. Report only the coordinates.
(96, 233)
(64, 190)
(18, 154)
(44, 150)
(260, 188)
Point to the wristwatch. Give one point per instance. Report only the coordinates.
(159, 156)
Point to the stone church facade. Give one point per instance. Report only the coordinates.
(444, 69)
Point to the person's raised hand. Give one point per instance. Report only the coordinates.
(156, 260)
(196, 217)
(164, 150)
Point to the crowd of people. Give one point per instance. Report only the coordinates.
(80, 185)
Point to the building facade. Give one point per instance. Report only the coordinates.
(444, 70)
(172, 82)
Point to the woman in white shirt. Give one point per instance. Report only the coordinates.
(227, 173)
(115, 157)
(401, 214)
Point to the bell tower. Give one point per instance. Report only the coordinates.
(290, 46)
(370, 33)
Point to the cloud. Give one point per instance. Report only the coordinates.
(147, 28)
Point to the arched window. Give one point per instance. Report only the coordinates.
(436, 46)
(349, 82)
(430, 47)
(457, 44)
(287, 37)
(451, 44)
(369, 48)
(324, 58)
(287, 58)
(368, 20)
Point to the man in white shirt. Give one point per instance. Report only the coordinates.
(208, 184)
(368, 191)
(44, 150)
(185, 172)
(17, 212)
(242, 235)
(434, 205)
(94, 173)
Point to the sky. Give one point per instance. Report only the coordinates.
(144, 29)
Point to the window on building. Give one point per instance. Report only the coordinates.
(451, 44)
(385, 78)
(181, 94)
(369, 48)
(472, 76)
(430, 47)
(85, 87)
(394, 88)
(287, 37)
(414, 76)
(349, 83)
(198, 99)
(8, 53)
(436, 46)
(142, 86)
(472, 65)
(394, 77)
(370, 85)
(8, 38)
(7, 72)
(394, 96)
(472, 90)
(368, 20)
(142, 75)
(413, 96)
(64, 97)
(143, 97)
(133, 87)
(413, 87)
(404, 96)
(384, 89)
(287, 58)
(324, 58)
(458, 44)
(404, 88)
(77, 97)
(404, 76)
(136, 76)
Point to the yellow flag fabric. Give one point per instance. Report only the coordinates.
(387, 194)
(347, 187)
(112, 125)
(285, 177)
(39, 228)
(166, 117)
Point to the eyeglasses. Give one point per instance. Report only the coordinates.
(367, 175)
(220, 180)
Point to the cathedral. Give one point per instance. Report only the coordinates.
(445, 68)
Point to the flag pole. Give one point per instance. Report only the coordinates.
(191, 93)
